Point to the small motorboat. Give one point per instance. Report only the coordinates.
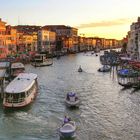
(72, 100)
(80, 69)
(67, 130)
(105, 68)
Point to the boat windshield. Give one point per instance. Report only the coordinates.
(71, 94)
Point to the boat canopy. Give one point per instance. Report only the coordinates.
(123, 71)
(127, 72)
(22, 83)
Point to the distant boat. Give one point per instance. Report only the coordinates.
(80, 69)
(21, 91)
(67, 130)
(40, 60)
(72, 100)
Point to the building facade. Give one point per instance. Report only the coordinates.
(46, 41)
(133, 46)
(11, 39)
(27, 37)
(66, 37)
(3, 48)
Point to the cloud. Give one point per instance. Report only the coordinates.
(115, 22)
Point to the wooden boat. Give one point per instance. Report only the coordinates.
(17, 68)
(72, 100)
(40, 60)
(68, 129)
(21, 91)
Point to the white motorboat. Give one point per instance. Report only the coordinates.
(21, 91)
(72, 100)
(105, 68)
(68, 129)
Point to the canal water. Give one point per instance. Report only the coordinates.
(107, 111)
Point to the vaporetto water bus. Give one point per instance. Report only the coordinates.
(21, 91)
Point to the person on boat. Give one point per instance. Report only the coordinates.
(66, 119)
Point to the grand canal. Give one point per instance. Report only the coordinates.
(107, 111)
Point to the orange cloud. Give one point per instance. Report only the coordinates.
(106, 23)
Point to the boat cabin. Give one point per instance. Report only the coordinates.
(39, 58)
(17, 68)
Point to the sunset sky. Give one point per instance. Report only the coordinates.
(102, 18)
